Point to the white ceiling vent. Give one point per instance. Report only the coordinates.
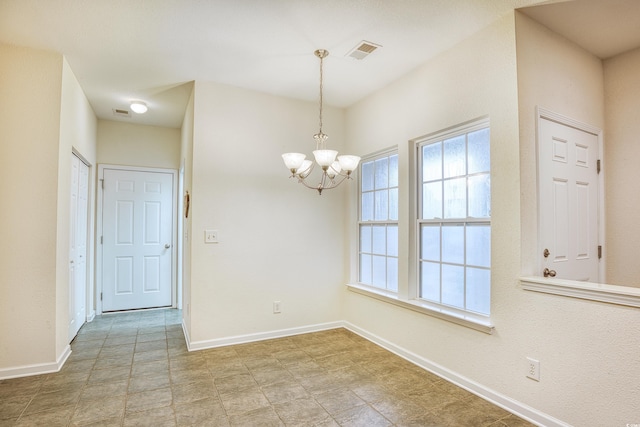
(362, 50)
(119, 112)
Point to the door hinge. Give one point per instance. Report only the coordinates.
(599, 251)
(100, 296)
(101, 239)
(598, 165)
(102, 183)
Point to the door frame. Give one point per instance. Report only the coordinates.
(545, 114)
(99, 212)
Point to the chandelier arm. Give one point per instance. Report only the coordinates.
(335, 183)
(345, 175)
(303, 182)
(323, 183)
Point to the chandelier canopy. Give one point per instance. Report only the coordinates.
(335, 169)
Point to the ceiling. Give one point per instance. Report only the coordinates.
(121, 50)
(605, 28)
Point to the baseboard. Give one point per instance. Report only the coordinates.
(36, 369)
(515, 407)
(241, 339)
(91, 316)
(185, 331)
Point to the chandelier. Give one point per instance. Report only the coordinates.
(335, 169)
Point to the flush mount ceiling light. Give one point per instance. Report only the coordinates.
(139, 107)
(333, 171)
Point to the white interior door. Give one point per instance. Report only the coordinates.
(78, 245)
(137, 226)
(568, 197)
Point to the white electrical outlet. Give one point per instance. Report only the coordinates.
(211, 236)
(277, 307)
(533, 369)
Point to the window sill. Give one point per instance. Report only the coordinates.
(442, 313)
(612, 294)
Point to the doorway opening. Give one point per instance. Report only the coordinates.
(136, 256)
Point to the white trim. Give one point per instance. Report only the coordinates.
(260, 336)
(440, 312)
(80, 157)
(437, 309)
(36, 369)
(373, 157)
(454, 130)
(90, 259)
(612, 294)
(505, 402)
(174, 237)
(544, 113)
(187, 338)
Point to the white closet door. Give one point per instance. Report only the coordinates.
(78, 245)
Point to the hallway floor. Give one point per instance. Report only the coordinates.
(133, 369)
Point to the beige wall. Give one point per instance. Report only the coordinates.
(186, 156)
(77, 133)
(278, 240)
(621, 150)
(30, 90)
(43, 114)
(560, 76)
(121, 143)
(557, 75)
(566, 335)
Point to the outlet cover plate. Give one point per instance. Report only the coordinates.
(533, 369)
(211, 236)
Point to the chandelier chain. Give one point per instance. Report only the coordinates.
(321, 86)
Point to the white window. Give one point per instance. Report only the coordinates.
(378, 222)
(454, 220)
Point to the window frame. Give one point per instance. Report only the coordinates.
(373, 157)
(418, 221)
(406, 296)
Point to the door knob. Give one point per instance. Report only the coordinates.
(167, 246)
(549, 273)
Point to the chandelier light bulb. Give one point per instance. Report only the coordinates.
(305, 169)
(334, 169)
(348, 162)
(293, 160)
(325, 157)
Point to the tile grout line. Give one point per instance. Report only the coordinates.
(338, 358)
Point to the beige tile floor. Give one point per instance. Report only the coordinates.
(133, 369)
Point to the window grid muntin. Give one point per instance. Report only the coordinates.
(442, 220)
(465, 265)
(387, 220)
